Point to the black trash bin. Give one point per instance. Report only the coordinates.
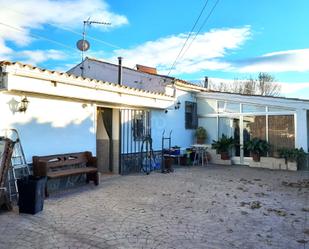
(31, 194)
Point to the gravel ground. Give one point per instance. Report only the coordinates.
(198, 207)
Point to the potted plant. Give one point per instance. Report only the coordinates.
(223, 145)
(201, 135)
(284, 153)
(292, 155)
(258, 147)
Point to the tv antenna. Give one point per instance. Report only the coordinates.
(83, 45)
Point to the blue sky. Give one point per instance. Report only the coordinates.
(240, 39)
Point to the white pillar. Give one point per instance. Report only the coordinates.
(116, 140)
(301, 130)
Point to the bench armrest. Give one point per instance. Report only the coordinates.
(40, 168)
(92, 162)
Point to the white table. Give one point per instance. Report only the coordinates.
(200, 153)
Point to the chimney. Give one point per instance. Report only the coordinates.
(206, 82)
(119, 70)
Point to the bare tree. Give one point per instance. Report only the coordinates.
(264, 85)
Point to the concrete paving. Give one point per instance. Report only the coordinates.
(210, 207)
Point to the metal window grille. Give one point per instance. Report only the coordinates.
(190, 115)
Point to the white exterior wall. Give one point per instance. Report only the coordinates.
(172, 120)
(132, 78)
(50, 126)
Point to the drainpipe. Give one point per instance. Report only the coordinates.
(119, 70)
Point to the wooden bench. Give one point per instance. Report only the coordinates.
(62, 165)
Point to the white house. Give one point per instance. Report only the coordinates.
(68, 113)
(283, 122)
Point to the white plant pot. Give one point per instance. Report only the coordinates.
(279, 163)
(267, 162)
(292, 166)
(253, 164)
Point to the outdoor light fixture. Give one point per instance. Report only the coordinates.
(23, 105)
(177, 105)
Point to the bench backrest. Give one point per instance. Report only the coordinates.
(42, 163)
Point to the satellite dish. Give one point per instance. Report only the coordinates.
(83, 45)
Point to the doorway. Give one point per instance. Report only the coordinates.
(134, 127)
(104, 139)
(242, 128)
(237, 135)
(231, 126)
(245, 128)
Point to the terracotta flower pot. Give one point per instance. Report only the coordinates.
(225, 155)
(200, 140)
(256, 157)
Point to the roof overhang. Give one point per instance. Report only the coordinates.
(258, 100)
(27, 79)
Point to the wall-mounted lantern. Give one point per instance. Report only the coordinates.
(177, 105)
(18, 106)
(23, 105)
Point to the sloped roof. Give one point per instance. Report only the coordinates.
(83, 79)
(129, 68)
(178, 82)
(260, 96)
(189, 85)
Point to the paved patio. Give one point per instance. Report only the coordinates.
(209, 207)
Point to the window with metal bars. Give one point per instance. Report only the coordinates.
(190, 115)
(139, 126)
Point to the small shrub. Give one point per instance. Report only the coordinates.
(258, 146)
(293, 155)
(224, 144)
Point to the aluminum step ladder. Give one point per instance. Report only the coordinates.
(19, 167)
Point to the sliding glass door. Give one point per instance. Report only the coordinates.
(230, 126)
(245, 121)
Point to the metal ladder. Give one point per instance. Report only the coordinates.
(19, 167)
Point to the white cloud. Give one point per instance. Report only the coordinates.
(205, 52)
(4, 51)
(35, 57)
(34, 14)
(290, 88)
(281, 61)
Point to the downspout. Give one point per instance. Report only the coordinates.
(119, 70)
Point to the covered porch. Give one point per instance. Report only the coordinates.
(280, 121)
